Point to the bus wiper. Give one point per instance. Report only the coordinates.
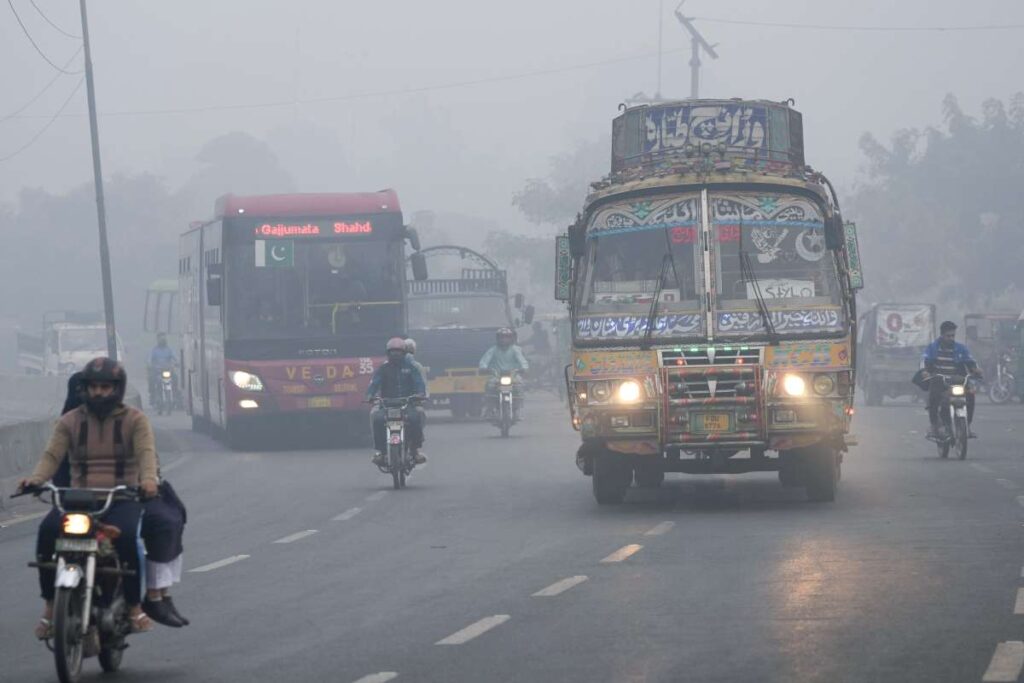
(665, 261)
(747, 274)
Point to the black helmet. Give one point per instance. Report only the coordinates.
(505, 332)
(105, 370)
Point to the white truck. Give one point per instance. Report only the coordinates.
(69, 340)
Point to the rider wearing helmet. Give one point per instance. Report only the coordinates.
(399, 377)
(504, 356)
(108, 444)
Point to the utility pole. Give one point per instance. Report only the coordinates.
(661, 17)
(101, 211)
(697, 44)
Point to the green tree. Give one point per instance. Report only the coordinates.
(556, 198)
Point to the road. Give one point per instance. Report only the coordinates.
(497, 565)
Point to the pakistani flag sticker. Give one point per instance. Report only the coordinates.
(275, 253)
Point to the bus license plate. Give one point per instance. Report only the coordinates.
(77, 545)
(319, 402)
(716, 422)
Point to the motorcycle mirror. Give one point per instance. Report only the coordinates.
(519, 299)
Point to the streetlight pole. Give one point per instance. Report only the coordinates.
(101, 211)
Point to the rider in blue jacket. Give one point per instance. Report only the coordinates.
(943, 358)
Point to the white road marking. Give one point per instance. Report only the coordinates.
(1018, 607)
(981, 468)
(1007, 662)
(176, 464)
(560, 587)
(377, 496)
(22, 518)
(378, 677)
(474, 630)
(347, 515)
(219, 563)
(622, 553)
(660, 529)
(1006, 483)
(296, 536)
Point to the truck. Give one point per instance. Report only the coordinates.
(68, 340)
(453, 316)
(891, 339)
(286, 304)
(710, 281)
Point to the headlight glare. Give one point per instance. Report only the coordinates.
(629, 391)
(956, 390)
(246, 380)
(76, 524)
(166, 374)
(794, 385)
(506, 381)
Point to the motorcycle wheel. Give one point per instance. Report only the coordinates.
(506, 420)
(1000, 392)
(961, 438)
(67, 634)
(396, 465)
(943, 447)
(110, 657)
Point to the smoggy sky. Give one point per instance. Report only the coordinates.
(468, 148)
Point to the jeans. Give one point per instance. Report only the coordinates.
(936, 388)
(125, 515)
(414, 421)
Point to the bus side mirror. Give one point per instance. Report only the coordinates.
(853, 266)
(528, 315)
(834, 232)
(563, 268)
(214, 284)
(413, 237)
(419, 266)
(519, 299)
(577, 240)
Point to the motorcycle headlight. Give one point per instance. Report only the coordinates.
(794, 385)
(823, 385)
(76, 524)
(600, 392)
(629, 392)
(166, 374)
(506, 381)
(246, 380)
(956, 390)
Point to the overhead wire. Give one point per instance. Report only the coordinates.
(849, 27)
(39, 94)
(39, 133)
(53, 25)
(28, 35)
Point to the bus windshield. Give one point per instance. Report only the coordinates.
(470, 312)
(309, 289)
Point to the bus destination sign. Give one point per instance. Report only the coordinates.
(313, 229)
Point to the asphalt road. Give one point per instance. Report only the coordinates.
(496, 564)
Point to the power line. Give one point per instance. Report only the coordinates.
(839, 27)
(380, 93)
(28, 35)
(56, 77)
(53, 25)
(46, 127)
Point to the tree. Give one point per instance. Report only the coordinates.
(557, 198)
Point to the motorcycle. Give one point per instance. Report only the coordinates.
(506, 412)
(90, 614)
(400, 463)
(953, 416)
(1004, 385)
(165, 393)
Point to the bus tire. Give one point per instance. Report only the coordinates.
(611, 479)
(821, 473)
(649, 476)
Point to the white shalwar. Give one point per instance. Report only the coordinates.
(161, 575)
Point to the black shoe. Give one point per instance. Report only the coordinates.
(174, 610)
(971, 434)
(161, 613)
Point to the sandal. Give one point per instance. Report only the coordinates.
(141, 623)
(44, 629)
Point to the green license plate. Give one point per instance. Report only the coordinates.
(715, 422)
(319, 402)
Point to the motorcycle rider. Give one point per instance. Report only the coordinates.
(160, 358)
(943, 358)
(108, 444)
(504, 356)
(399, 377)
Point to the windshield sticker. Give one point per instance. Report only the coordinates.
(615, 362)
(673, 213)
(782, 289)
(767, 241)
(808, 355)
(784, 321)
(810, 244)
(635, 326)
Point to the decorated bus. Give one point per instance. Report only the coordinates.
(286, 303)
(710, 280)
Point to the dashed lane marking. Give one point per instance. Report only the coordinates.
(176, 464)
(660, 529)
(474, 630)
(1018, 607)
(377, 496)
(622, 553)
(22, 518)
(347, 515)
(218, 564)
(1007, 662)
(560, 587)
(378, 677)
(296, 536)
(1006, 483)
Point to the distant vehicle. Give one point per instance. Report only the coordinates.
(891, 340)
(453, 317)
(286, 301)
(69, 340)
(990, 336)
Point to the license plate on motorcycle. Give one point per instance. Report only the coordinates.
(396, 439)
(714, 422)
(394, 413)
(319, 402)
(77, 545)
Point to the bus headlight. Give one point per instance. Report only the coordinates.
(629, 392)
(794, 385)
(246, 380)
(76, 524)
(823, 385)
(600, 392)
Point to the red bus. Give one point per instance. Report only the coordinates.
(287, 301)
